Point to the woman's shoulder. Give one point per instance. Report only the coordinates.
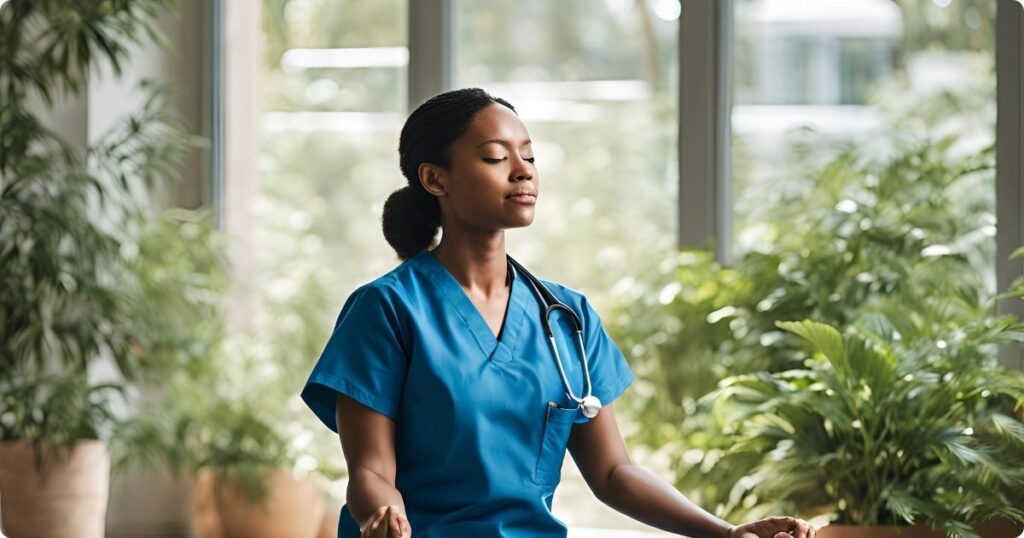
(393, 287)
(567, 294)
(387, 287)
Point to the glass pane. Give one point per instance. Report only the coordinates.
(595, 84)
(812, 79)
(334, 98)
(331, 84)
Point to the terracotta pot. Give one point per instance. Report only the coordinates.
(329, 523)
(989, 529)
(203, 507)
(69, 499)
(220, 509)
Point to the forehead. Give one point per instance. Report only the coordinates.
(496, 121)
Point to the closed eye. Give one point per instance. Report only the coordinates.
(496, 161)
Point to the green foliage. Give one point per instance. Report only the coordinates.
(53, 412)
(182, 275)
(68, 212)
(215, 398)
(914, 221)
(47, 46)
(192, 429)
(889, 430)
(64, 219)
(850, 243)
(184, 422)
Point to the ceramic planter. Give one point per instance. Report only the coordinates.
(989, 529)
(293, 509)
(329, 523)
(69, 500)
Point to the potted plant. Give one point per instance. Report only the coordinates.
(249, 476)
(222, 408)
(895, 423)
(54, 468)
(66, 214)
(236, 438)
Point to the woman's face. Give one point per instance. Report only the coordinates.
(490, 161)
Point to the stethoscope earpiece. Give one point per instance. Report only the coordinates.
(589, 404)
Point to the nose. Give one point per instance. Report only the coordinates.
(523, 171)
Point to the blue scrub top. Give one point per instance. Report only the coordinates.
(481, 423)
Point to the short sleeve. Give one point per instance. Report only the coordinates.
(364, 358)
(610, 373)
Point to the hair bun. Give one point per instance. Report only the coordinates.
(410, 220)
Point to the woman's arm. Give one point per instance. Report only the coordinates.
(600, 453)
(368, 442)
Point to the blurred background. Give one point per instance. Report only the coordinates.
(189, 191)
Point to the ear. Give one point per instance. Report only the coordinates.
(433, 178)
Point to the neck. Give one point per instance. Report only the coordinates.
(479, 266)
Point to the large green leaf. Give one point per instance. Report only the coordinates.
(825, 338)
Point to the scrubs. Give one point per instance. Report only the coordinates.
(481, 422)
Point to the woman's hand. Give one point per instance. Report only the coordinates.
(387, 522)
(774, 527)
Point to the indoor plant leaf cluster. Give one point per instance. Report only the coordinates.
(68, 210)
(218, 399)
(885, 430)
(851, 246)
(916, 219)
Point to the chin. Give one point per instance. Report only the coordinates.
(521, 223)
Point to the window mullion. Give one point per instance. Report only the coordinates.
(1009, 158)
(705, 109)
(431, 24)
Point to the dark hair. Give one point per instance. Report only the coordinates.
(412, 215)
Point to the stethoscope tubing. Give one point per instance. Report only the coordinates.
(589, 403)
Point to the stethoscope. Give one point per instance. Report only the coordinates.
(589, 403)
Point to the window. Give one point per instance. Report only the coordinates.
(332, 98)
(812, 78)
(595, 83)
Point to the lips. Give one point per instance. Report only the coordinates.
(523, 197)
(523, 194)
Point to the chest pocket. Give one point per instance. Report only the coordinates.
(557, 426)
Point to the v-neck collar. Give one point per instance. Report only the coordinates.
(501, 350)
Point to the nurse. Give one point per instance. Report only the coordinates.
(439, 377)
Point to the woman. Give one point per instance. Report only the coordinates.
(440, 379)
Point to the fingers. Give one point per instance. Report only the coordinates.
(786, 527)
(395, 520)
(384, 525)
(776, 527)
(802, 529)
(796, 528)
(391, 524)
(370, 531)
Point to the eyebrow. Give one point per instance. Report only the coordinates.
(502, 142)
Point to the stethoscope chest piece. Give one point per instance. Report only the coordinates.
(591, 405)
